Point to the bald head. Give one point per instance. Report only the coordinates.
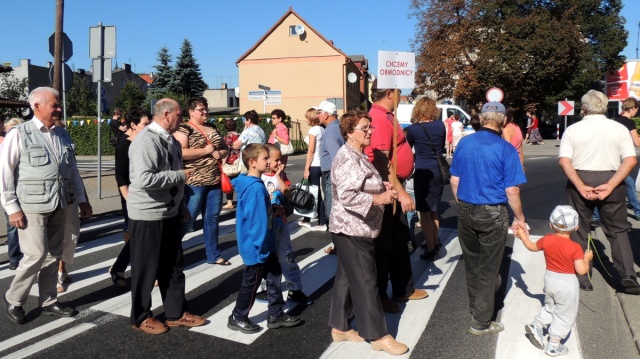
(167, 114)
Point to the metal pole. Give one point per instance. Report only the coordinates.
(64, 101)
(264, 102)
(637, 39)
(100, 109)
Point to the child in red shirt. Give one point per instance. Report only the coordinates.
(564, 259)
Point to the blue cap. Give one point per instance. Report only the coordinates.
(493, 106)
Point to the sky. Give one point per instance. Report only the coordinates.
(220, 31)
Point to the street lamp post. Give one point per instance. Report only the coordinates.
(264, 88)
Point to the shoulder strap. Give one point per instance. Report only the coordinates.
(435, 153)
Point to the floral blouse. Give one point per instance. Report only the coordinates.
(354, 181)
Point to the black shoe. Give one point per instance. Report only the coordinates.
(586, 287)
(59, 310)
(13, 265)
(262, 297)
(245, 326)
(285, 320)
(297, 296)
(430, 256)
(630, 284)
(14, 312)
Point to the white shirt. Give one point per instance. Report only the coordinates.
(596, 143)
(9, 160)
(317, 132)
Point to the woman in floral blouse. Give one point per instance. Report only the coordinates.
(359, 197)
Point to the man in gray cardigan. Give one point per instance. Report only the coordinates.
(156, 208)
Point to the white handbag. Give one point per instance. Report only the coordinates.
(285, 150)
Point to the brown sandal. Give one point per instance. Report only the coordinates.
(151, 326)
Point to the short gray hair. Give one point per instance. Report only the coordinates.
(594, 103)
(37, 95)
(494, 118)
(165, 104)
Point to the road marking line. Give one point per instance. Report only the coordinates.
(51, 341)
(196, 275)
(11, 342)
(316, 269)
(522, 303)
(416, 314)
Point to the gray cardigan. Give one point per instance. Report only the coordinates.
(157, 186)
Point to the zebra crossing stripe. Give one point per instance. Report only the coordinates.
(51, 341)
(525, 296)
(33, 333)
(416, 314)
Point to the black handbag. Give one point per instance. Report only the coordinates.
(301, 198)
(443, 165)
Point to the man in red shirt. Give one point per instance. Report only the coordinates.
(392, 252)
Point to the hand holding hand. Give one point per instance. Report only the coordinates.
(387, 185)
(603, 191)
(588, 192)
(208, 149)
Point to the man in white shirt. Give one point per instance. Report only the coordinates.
(590, 155)
(38, 179)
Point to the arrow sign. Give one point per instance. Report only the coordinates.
(565, 108)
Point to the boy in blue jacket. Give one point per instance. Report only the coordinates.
(257, 247)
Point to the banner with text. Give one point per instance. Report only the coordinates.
(396, 69)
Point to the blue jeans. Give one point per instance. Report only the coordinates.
(327, 194)
(208, 200)
(13, 243)
(412, 219)
(630, 185)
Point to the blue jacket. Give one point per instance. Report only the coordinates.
(254, 232)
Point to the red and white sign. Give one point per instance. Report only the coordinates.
(396, 69)
(566, 108)
(495, 95)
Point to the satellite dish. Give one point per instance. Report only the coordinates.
(299, 29)
(372, 77)
(352, 77)
(237, 91)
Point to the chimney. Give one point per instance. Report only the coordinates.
(49, 64)
(223, 85)
(127, 67)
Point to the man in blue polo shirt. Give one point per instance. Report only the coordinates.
(486, 173)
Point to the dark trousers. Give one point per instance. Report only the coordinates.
(314, 179)
(392, 254)
(482, 231)
(251, 278)
(613, 217)
(156, 253)
(122, 261)
(355, 288)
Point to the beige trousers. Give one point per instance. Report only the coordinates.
(71, 232)
(41, 244)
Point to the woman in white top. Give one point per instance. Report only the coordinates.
(312, 170)
(457, 129)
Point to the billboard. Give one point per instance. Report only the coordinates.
(625, 83)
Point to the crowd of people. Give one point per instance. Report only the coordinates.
(370, 174)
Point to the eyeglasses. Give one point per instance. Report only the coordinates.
(365, 129)
(202, 110)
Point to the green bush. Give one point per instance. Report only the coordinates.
(85, 137)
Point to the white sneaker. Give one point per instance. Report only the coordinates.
(319, 228)
(304, 224)
(534, 333)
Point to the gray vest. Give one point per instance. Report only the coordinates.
(43, 178)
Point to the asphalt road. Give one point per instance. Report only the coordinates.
(433, 328)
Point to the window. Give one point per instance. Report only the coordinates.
(292, 30)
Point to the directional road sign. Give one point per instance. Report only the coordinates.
(566, 108)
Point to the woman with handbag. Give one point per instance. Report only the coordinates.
(359, 196)
(427, 137)
(202, 148)
(231, 166)
(280, 135)
(312, 171)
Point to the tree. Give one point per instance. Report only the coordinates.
(188, 79)
(130, 95)
(80, 99)
(537, 52)
(12, 88)
(164, 78)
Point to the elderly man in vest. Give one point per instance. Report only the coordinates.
(39, 178)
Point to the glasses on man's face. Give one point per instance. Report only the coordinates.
(365, 129)
(201, 110)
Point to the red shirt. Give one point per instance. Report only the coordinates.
(534, 123)
(382, 140)
(560, 253)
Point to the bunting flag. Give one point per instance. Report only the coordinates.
(68, 123)
(88, 122)
(75, 123)
(95, 121)
(108, 121)
(81, 123)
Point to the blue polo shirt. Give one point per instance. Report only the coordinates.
(486, 165)
(331, 142)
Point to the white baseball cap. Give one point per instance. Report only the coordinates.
(326, 106)
(564, 218)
